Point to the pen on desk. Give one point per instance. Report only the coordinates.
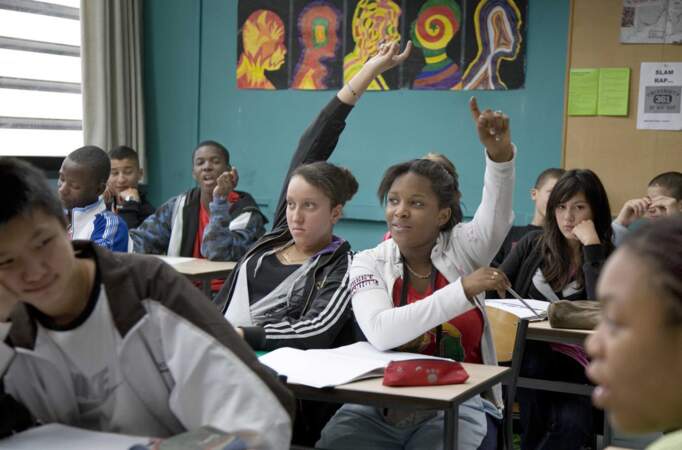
(519, 298)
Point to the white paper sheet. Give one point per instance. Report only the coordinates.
(332, 367)
(513, 306)
(61, 437)
(174, 260)
(660, 92)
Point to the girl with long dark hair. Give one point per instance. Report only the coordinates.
(561, 261)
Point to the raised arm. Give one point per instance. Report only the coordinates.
(320, 138)
(482, 237)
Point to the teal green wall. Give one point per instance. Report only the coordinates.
(191, 95)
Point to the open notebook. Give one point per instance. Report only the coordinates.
(332, 367)
(517, 308)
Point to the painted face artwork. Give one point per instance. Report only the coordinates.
(264, 51)
(318, 26)
(498, 25)
(374, 22)
(437, 23)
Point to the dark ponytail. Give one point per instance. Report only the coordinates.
(337, 183)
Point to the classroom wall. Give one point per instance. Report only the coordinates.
(624, 157)
(191, 95)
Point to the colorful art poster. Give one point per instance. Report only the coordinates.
(262, 61)
(435, 28)
(368, 24)
(316, 45)
(660, 92)
(495, 49)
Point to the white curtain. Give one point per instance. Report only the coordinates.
(111, 58)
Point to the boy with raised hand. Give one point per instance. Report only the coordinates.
(117, 342)
(212, 221)
(82, 181)
(124, 195)
(664, 198)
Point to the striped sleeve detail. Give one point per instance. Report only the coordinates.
(333, 312)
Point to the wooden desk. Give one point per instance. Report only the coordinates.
(202, 270)
(542, 331)
(448, 397)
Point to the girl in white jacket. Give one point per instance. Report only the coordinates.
(421, 290)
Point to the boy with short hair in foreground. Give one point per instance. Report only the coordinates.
(117, 342)
(124, 195)
(82, 180)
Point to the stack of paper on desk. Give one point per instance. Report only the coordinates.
(515, 307)
(332, 367)
(61, 437)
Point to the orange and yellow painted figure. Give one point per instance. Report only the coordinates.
(498, 34)
(374, 21)
(318, 28)
(264, 49)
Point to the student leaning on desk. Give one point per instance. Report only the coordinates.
(636, 350)
(116, 342)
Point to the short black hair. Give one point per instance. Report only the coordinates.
(25, 189)
(94, 159)
(659, 244)
(671, 181)
(124, 152)
(214, 144)
(553, 172)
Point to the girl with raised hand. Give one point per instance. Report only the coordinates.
(291, 288)
(420, 290)
(561, 261)
(636, 351)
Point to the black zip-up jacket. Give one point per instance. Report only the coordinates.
(133, 213)
(526, 257)
(318, 312)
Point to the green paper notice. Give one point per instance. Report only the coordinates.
(614, 91)
(583, 90)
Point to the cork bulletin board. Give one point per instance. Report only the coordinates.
(624, 158)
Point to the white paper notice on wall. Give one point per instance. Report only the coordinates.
(660, 95)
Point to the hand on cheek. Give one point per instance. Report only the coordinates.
(586, 233)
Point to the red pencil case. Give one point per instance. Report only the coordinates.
(424, 372)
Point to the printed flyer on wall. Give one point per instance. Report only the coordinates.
(660, 89)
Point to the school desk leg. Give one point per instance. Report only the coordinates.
(206, 287)
(450, 430)
(608, 432)
(517, 358)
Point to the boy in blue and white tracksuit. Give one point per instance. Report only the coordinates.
(96, 223)
(82, 180)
